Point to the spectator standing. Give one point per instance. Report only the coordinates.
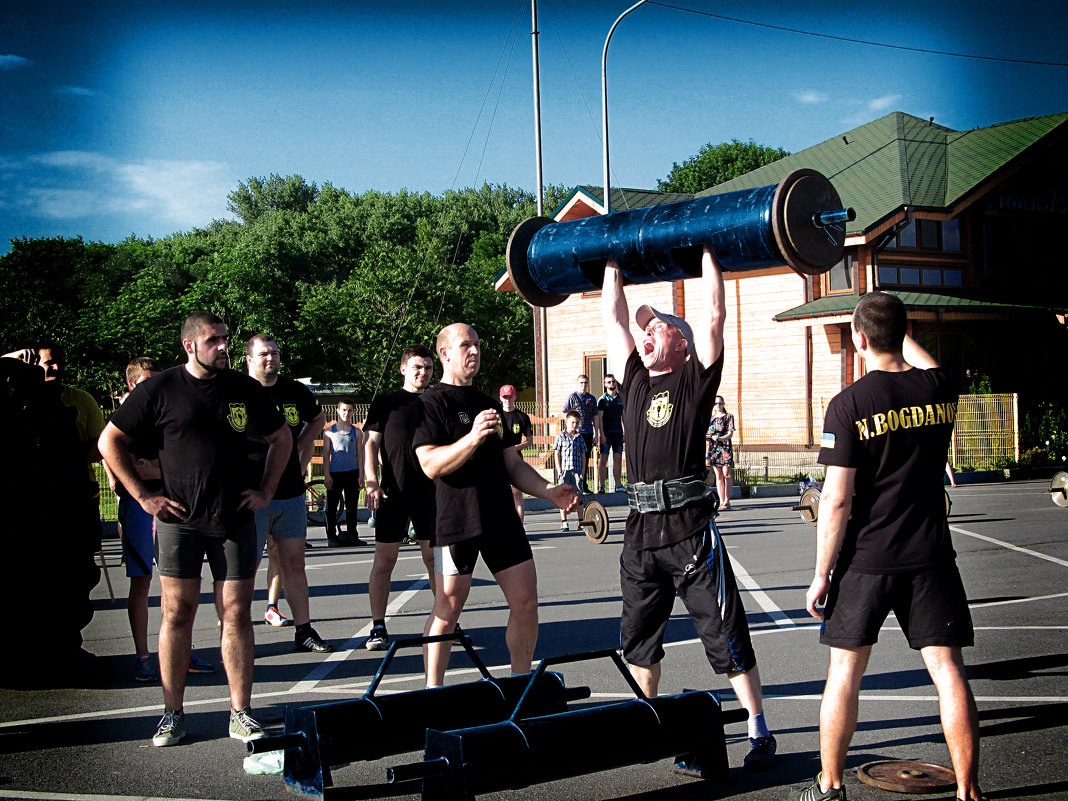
(459, 440)
(405, 496)
(610, 434)
(283, 524)
(201, 414)
(720, 455)
(517, 425)
(342, 473)
(570, 454)
(586, 405)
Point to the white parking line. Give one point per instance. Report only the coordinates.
(1010, 546)
(40, 796)
(780, 618)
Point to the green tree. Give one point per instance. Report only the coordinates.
(258, 196)
(715, 164)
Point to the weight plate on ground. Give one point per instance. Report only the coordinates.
(1058, 489)
(907, 776)
(595, 522)
(810, 505)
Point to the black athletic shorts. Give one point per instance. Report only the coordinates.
(699, 571)
(930, 605)
(180, 552)
(394, 515)
(500, 551)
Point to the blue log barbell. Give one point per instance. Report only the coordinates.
(797, 222)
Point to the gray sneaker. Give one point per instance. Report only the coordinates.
(171, 728)
(243, 726)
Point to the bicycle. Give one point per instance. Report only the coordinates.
(315, 502)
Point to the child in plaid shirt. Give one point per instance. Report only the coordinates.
(570, 457)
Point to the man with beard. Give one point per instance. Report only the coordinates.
(460, 443)
(201, 415)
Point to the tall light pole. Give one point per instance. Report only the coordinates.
(604, 104)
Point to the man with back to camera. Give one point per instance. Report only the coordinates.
(882, 540)
(671, 543)
(201, 413)
(610, 434)
(517, 423)
(404, 495)
(461, 444)
(283, 523)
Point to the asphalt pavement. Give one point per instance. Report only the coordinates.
(90, 740)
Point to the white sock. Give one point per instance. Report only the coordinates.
(757, 726)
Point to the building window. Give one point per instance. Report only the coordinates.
(840, 277)
(928, 235)
(921, 277)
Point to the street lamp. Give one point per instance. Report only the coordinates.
(604, 103)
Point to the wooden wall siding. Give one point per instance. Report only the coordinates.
(773, 368)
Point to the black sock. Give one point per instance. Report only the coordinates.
(303, 630)
(376, 623)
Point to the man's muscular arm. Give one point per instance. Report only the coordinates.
(441, 460)
(616, 319)
(836, 502)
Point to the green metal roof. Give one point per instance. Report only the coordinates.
(623, 199)
(900, 160)
(834, 305)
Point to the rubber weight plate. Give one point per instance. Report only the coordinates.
(907, 776)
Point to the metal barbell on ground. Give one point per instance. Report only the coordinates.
(524, 750)
(321, 735)
(1058, 489)
(809, 507)
(798, 222)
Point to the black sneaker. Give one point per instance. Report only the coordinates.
(311, 641)
(379, 639)
(814, 793)
(761, 754)
(688, 765)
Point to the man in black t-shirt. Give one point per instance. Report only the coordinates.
(671, 543)
(200, 415)
(517, 426)
(610, 434)
(283, 524)
(404, 494)
(882, 530)
(460, 442)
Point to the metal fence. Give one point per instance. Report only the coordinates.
(775, 440)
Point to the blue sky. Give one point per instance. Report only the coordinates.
(138, 118)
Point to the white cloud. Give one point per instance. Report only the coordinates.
(13, 62)
(76, 184)
(883, 103)
(810, 96)
(75, 91)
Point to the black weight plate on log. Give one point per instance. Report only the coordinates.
(595, 522)
(1058, 489)
(907, 776)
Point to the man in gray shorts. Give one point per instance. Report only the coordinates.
(201, 414)
(283, 523)
(883, 531)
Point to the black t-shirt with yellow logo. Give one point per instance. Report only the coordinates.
(664, 419)
(201, 427)
(894, 428)
(476, 498)
(299, 407)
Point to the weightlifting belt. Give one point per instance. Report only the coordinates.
(664, 496)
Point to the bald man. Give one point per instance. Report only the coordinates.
(462, 446)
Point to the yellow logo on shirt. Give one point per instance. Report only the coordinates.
(238, 417)
(659, 410)
(515, 428)
(291, 413)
